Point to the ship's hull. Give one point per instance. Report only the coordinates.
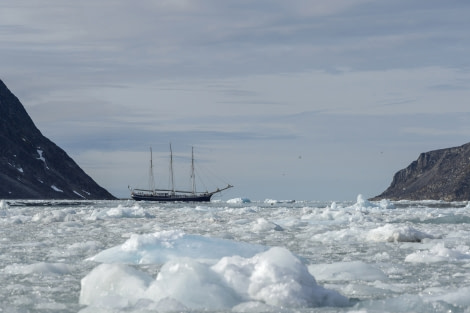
(172, 198)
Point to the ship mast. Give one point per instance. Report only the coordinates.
(172, 178)
(193, 177)
(151, 178)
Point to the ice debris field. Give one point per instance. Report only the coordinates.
(234, 256)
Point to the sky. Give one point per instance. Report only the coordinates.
(300, 99)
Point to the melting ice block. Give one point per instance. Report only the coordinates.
(274, 278)
(397, 233)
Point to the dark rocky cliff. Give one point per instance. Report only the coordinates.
(436, 175)
(32, 166)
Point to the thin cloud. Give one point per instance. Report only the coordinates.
(255, 83)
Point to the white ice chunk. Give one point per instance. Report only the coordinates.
(113, 285)
(347, 271)
(193, 284)
(386, 204)
(119, 212)
(364, 204)
(439, 253)
(52, 216)
(239, 200)
(263, 225)
(272, 278)
(276, 277)
(397, 233)
(273, 201)
(457, 297)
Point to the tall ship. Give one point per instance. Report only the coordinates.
(171, 194)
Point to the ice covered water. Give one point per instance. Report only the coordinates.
(234, 256)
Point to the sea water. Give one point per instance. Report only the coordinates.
(234, 256)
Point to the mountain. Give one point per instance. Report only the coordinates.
(32, 166)
(436, 175)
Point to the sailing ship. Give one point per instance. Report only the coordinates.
(173, 195)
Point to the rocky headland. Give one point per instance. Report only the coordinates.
(32, 166)
(442, 174)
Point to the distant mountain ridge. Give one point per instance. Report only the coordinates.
(442, 174)
(32, 166)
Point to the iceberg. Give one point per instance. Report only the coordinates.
(273, 278)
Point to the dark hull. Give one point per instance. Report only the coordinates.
(172, 198)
